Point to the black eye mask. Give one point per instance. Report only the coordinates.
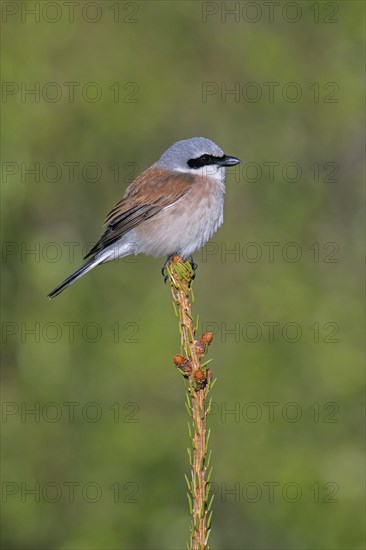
(204, 160)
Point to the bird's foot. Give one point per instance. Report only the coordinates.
(163, 269)
(194, 266)
(175, 257)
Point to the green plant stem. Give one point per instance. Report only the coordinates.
(198, 386)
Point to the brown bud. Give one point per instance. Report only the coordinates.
(178, 360)
(206, 338)
(199, 375)
(200, 378)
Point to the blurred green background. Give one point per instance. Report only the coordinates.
(99, 463)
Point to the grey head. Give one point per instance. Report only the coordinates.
(189, 155)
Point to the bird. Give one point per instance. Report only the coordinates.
(172, 208)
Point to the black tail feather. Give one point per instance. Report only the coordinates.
(73, 277)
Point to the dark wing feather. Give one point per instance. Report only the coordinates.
(152, 191)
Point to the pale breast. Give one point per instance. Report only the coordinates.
(186, 225)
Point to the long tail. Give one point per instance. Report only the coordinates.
(76, 275)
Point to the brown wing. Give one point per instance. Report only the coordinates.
(152, 191)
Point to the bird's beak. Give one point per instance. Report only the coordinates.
(228, 161)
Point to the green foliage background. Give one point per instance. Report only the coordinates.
(169, 52)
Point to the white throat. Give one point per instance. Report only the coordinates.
(206, 172)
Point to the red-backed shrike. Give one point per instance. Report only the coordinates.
(173, 207)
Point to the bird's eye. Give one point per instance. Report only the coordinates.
(205, 158)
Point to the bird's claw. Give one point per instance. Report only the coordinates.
(194, 266)
(164, 268)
